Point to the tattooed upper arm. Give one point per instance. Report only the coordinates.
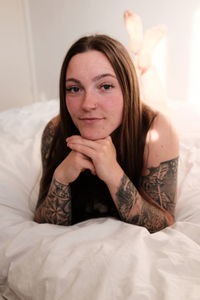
(47, 138)
(159, 177)
(152, 204)
(54, 204)
(160, 184)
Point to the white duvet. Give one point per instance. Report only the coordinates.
(100, 259)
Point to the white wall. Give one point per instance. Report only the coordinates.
(15, 77)
(55, 24)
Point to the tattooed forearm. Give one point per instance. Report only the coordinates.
(126, 196)
(161, 183)
(56, 208)
(154, 207)
(135, 210)
(150, 217)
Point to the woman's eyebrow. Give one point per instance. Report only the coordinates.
(96, 78)
(73, 80)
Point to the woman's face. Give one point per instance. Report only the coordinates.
(93, 95)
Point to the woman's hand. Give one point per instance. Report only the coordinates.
(101, 153)
(71, 167)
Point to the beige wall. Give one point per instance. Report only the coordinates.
(15, 74)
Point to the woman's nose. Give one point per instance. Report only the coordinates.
(89, 101)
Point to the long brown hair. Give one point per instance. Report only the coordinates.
(129, 138)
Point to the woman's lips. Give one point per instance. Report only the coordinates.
(91, 120)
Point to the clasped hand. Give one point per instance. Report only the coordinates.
(98, 156)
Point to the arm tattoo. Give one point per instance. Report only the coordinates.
(56, 208)
(47, 139)
(160, 184)
(150, 217)
(154, 207)
(126, 196)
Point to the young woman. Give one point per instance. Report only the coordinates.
(106, 154)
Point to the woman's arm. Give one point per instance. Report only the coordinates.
(56, 206)
(153, 204)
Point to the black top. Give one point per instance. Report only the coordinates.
(91, 199)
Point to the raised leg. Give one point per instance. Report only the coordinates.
(142, 46)
(151, 38)
(134, 28)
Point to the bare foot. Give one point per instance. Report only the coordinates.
(151, 38)
(133, 25)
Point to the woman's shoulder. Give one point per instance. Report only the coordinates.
(54, 122)
(162, 143)
(51, 126)
(48, 135)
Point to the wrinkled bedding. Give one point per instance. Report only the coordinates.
(99, 259)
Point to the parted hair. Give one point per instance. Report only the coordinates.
(129, 138)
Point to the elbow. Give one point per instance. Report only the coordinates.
(161, 224)
(153, 223)
(37, 217)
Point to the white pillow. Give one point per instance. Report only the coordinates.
(20, 158)
(185, 118)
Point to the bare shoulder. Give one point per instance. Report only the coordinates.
(53, 123)
(50, 128)
(48, 135)
(159, 175)
(162, 143)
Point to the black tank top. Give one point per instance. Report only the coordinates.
(91, 199)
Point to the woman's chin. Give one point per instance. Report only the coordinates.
(94, 136)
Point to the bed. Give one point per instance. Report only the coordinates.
(99, 259)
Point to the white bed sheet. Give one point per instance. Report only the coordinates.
(101, 258)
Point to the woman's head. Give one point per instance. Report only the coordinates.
(117, 57)
(134, 121)
(93, 95)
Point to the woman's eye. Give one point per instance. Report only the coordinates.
(107, 87)
(72, 89)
